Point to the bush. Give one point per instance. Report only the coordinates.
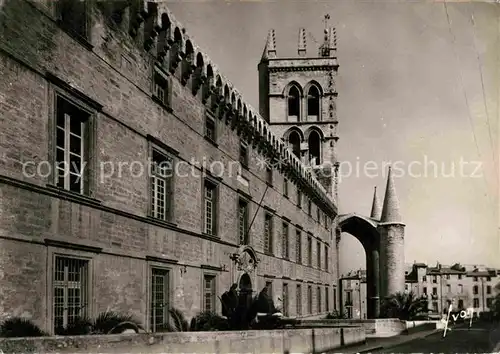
(20, 327)
(108, 322)
(209, 321)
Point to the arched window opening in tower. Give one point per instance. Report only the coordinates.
(294, 143)
(293, 104)
(313, 104)
(314, 148)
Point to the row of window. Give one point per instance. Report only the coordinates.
(475, 289)
(294, 103)
(71, 288)
(285, 239)
(285, 297)
(448, 276)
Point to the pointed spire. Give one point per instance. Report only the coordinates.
(376, 207)
(390, 211)
(302, 42)
(270, 48)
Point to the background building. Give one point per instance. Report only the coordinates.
(464, 286)
(131, 175)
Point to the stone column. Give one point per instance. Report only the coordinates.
(372, 282)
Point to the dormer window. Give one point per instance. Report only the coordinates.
(294, 104)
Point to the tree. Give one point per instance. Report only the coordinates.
(405, 306)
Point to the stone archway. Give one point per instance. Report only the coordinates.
(365, 231)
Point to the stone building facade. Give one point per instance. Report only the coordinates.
(467, 286)
(131, 174)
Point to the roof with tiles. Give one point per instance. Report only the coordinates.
(164, 21)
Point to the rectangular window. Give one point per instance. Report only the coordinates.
(489, 302)
(72, 142)
(285, 299)
(268, 234)
(210, 128)
(475, 290)
(269, 175)
(244, 154)
(269, 287)
(488, 289)
(284, 241)
(298, 300)
(327, 299)
(435, 306)
(318, 254)
(159, 299)
(298, 246)
(476, 302)
(425, 290)
(309, 299)
(460, 304)
(72, 16)
(285, 187)
(460, 276)
(243, 222)
(434, 291)
(326, 258)
(475, 278)
(448, 288)
(434, 279)
(161, 185)
(161, 89)
(209, 292)
(447, 276)
(70, 291)
(335, 298)
(460, 289)
(210, 205)
(318, 214)
(309, 251)
(424, 278)
(309, 207)
(318, 299)
(488, 278)
(299, 198)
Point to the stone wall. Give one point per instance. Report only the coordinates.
(112, 226)
(272, 341)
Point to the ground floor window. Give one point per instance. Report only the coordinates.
(70, 291)
(209, 292)
(159, 298)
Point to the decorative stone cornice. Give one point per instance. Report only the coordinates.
(303, 68)
(226, 102)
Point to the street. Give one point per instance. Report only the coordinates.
(480, 338)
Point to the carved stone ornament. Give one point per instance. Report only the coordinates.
(246, 263)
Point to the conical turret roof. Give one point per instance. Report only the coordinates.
(376, 212)
(390, 211)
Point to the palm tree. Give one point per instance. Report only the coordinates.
(405, 306)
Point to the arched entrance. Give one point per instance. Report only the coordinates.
(365, 231)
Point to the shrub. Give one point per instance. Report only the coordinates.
(108, 322)
(20, 327)
(209, 321)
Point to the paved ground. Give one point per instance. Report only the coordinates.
(480, 338)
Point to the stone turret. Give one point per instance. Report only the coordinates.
(376, 211)
(302, 43)
(270, 47)
(391, 230)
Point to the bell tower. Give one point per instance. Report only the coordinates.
(298, 98)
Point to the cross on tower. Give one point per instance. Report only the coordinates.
(325, 20)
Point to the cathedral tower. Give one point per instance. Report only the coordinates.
(298, 97)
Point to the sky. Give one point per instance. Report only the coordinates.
(418, 86)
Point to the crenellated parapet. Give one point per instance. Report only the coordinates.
(168, 41)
